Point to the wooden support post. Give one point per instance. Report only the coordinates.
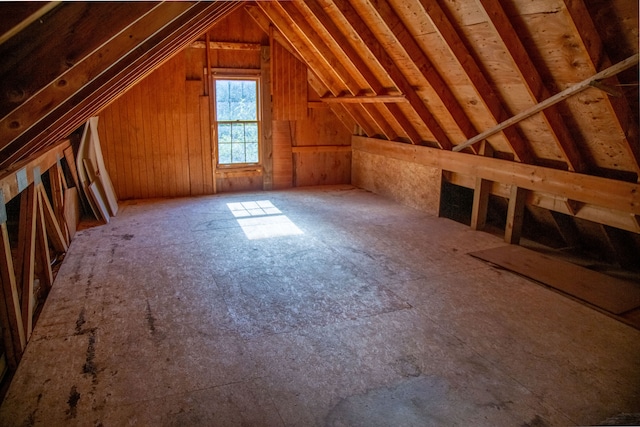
(515, 215)
(58, 186)
(42, 243)
(52, 222)
(481, 194)
(27, 254)
(267, 119)
(12, 331)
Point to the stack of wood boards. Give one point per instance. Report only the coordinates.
(96, 186)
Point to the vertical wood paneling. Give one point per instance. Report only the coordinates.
(282, 154)
(290, 85)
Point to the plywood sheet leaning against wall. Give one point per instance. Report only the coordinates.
(95, 182)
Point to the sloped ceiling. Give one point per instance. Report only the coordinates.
(425, 72)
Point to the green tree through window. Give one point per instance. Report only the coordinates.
(237, 121)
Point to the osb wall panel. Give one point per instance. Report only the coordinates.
(410, 184)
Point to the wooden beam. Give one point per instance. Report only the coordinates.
(406, 41)
(373, 111)
(609, 193)
(327, 75)
(365, 99)
(532, 80)
(560, 96)
(625, 120)
(515, 215)
(9, 178)
(486, 94)
(318, 44)
(554, 203)
(50, 219)
(321, 149)
(23, 22)
(344, 44)
(199, 44)
(113, 82)
(393, 71)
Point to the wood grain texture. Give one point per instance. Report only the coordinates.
(611, 294)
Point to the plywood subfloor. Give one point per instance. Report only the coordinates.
(310, 307)
(608, 293)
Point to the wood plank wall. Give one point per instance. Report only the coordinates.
(153, 139)
(157, 141)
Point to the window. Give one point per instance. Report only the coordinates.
(237, 121)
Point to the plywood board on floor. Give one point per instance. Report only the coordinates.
(613, 295)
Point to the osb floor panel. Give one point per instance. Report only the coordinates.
(355, 312)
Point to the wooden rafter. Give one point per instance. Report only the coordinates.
(552, 100)
(345, 45)
(394, 72)
(180, 30)
(499, 21)
(314, 41)
(312, 59)
(481, 85)
(407, 42)
(626, 122)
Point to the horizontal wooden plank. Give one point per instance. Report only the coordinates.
(364, 99)
(613, 295)
(609, 193)
(226, 45)
(43, 161)
(321, 149)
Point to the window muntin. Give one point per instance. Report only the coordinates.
(237, 121)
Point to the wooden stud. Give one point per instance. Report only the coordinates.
(481, 195)
(515, 215)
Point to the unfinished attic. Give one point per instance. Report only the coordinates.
(320, 212)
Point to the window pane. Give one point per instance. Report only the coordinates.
(251, 132)
(237, 153)
(237, 132)
(224, 132)
(252, 152)
(224, 153)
